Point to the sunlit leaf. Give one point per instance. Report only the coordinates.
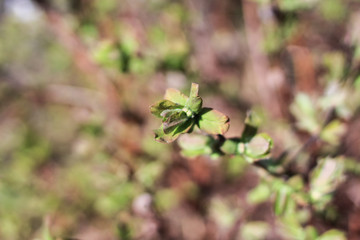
(166, 199)
(259, 146)
(193, 141)
(222, 213)
(148, 173)
(332, 234)
(255, 230)
(259, 194)
(311, 233)
(290, 228)
(176, 96)
(174, 120)
(160, 106)
(283, 200)
(213, 122)
(333, 10)
(105, 53)
(324, 179)
(175, 132)
(296, 182)
(236, 165)
(230, 146)
(195, 104)
(195, 145)
(333, 131)
(304, 111)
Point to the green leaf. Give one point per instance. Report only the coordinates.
(259, 194)
(160, 106)
(236, 165)
(160, 136)
(304, 110)
(255, 230)
(332, 234)
(259, 146)
(165, 199)
(325, 177)
(290, 228)
(311, 233)
(252, 122)
(230, 146)
(175, 132)
(176, 96)
(248, 133)
(296, 182)
(333, 132)
(213, 122)
(283, 200)
(174, 120)
(194, 103)
(195, 145)
(221, 212)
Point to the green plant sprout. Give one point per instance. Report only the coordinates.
(201, 132)
(180, 114)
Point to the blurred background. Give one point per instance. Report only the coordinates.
(77, 154)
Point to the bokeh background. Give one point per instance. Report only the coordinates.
(77, 153)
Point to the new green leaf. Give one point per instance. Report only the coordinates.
(168, 135)
(194, 103)
(161, 106)
(195, 145)
(176, 96)
(325, 177)
(259, 146)
(174, 120)
(332, 234)
(213, 122)
(230, 146)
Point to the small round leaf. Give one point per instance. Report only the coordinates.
(259, 146)
(213, 122)
(176, 96)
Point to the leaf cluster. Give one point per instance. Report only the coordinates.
(180, 114)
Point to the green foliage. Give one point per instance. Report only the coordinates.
(333, 10)
(324, 179)
(305, 111)
(253, 147)
(255, 230)
(259, 194)
(166, 199)
(77, 159)
(180, 114)
(213, 122)
(332, 235)
(259, 146)
(222, 214)
(196, 145)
